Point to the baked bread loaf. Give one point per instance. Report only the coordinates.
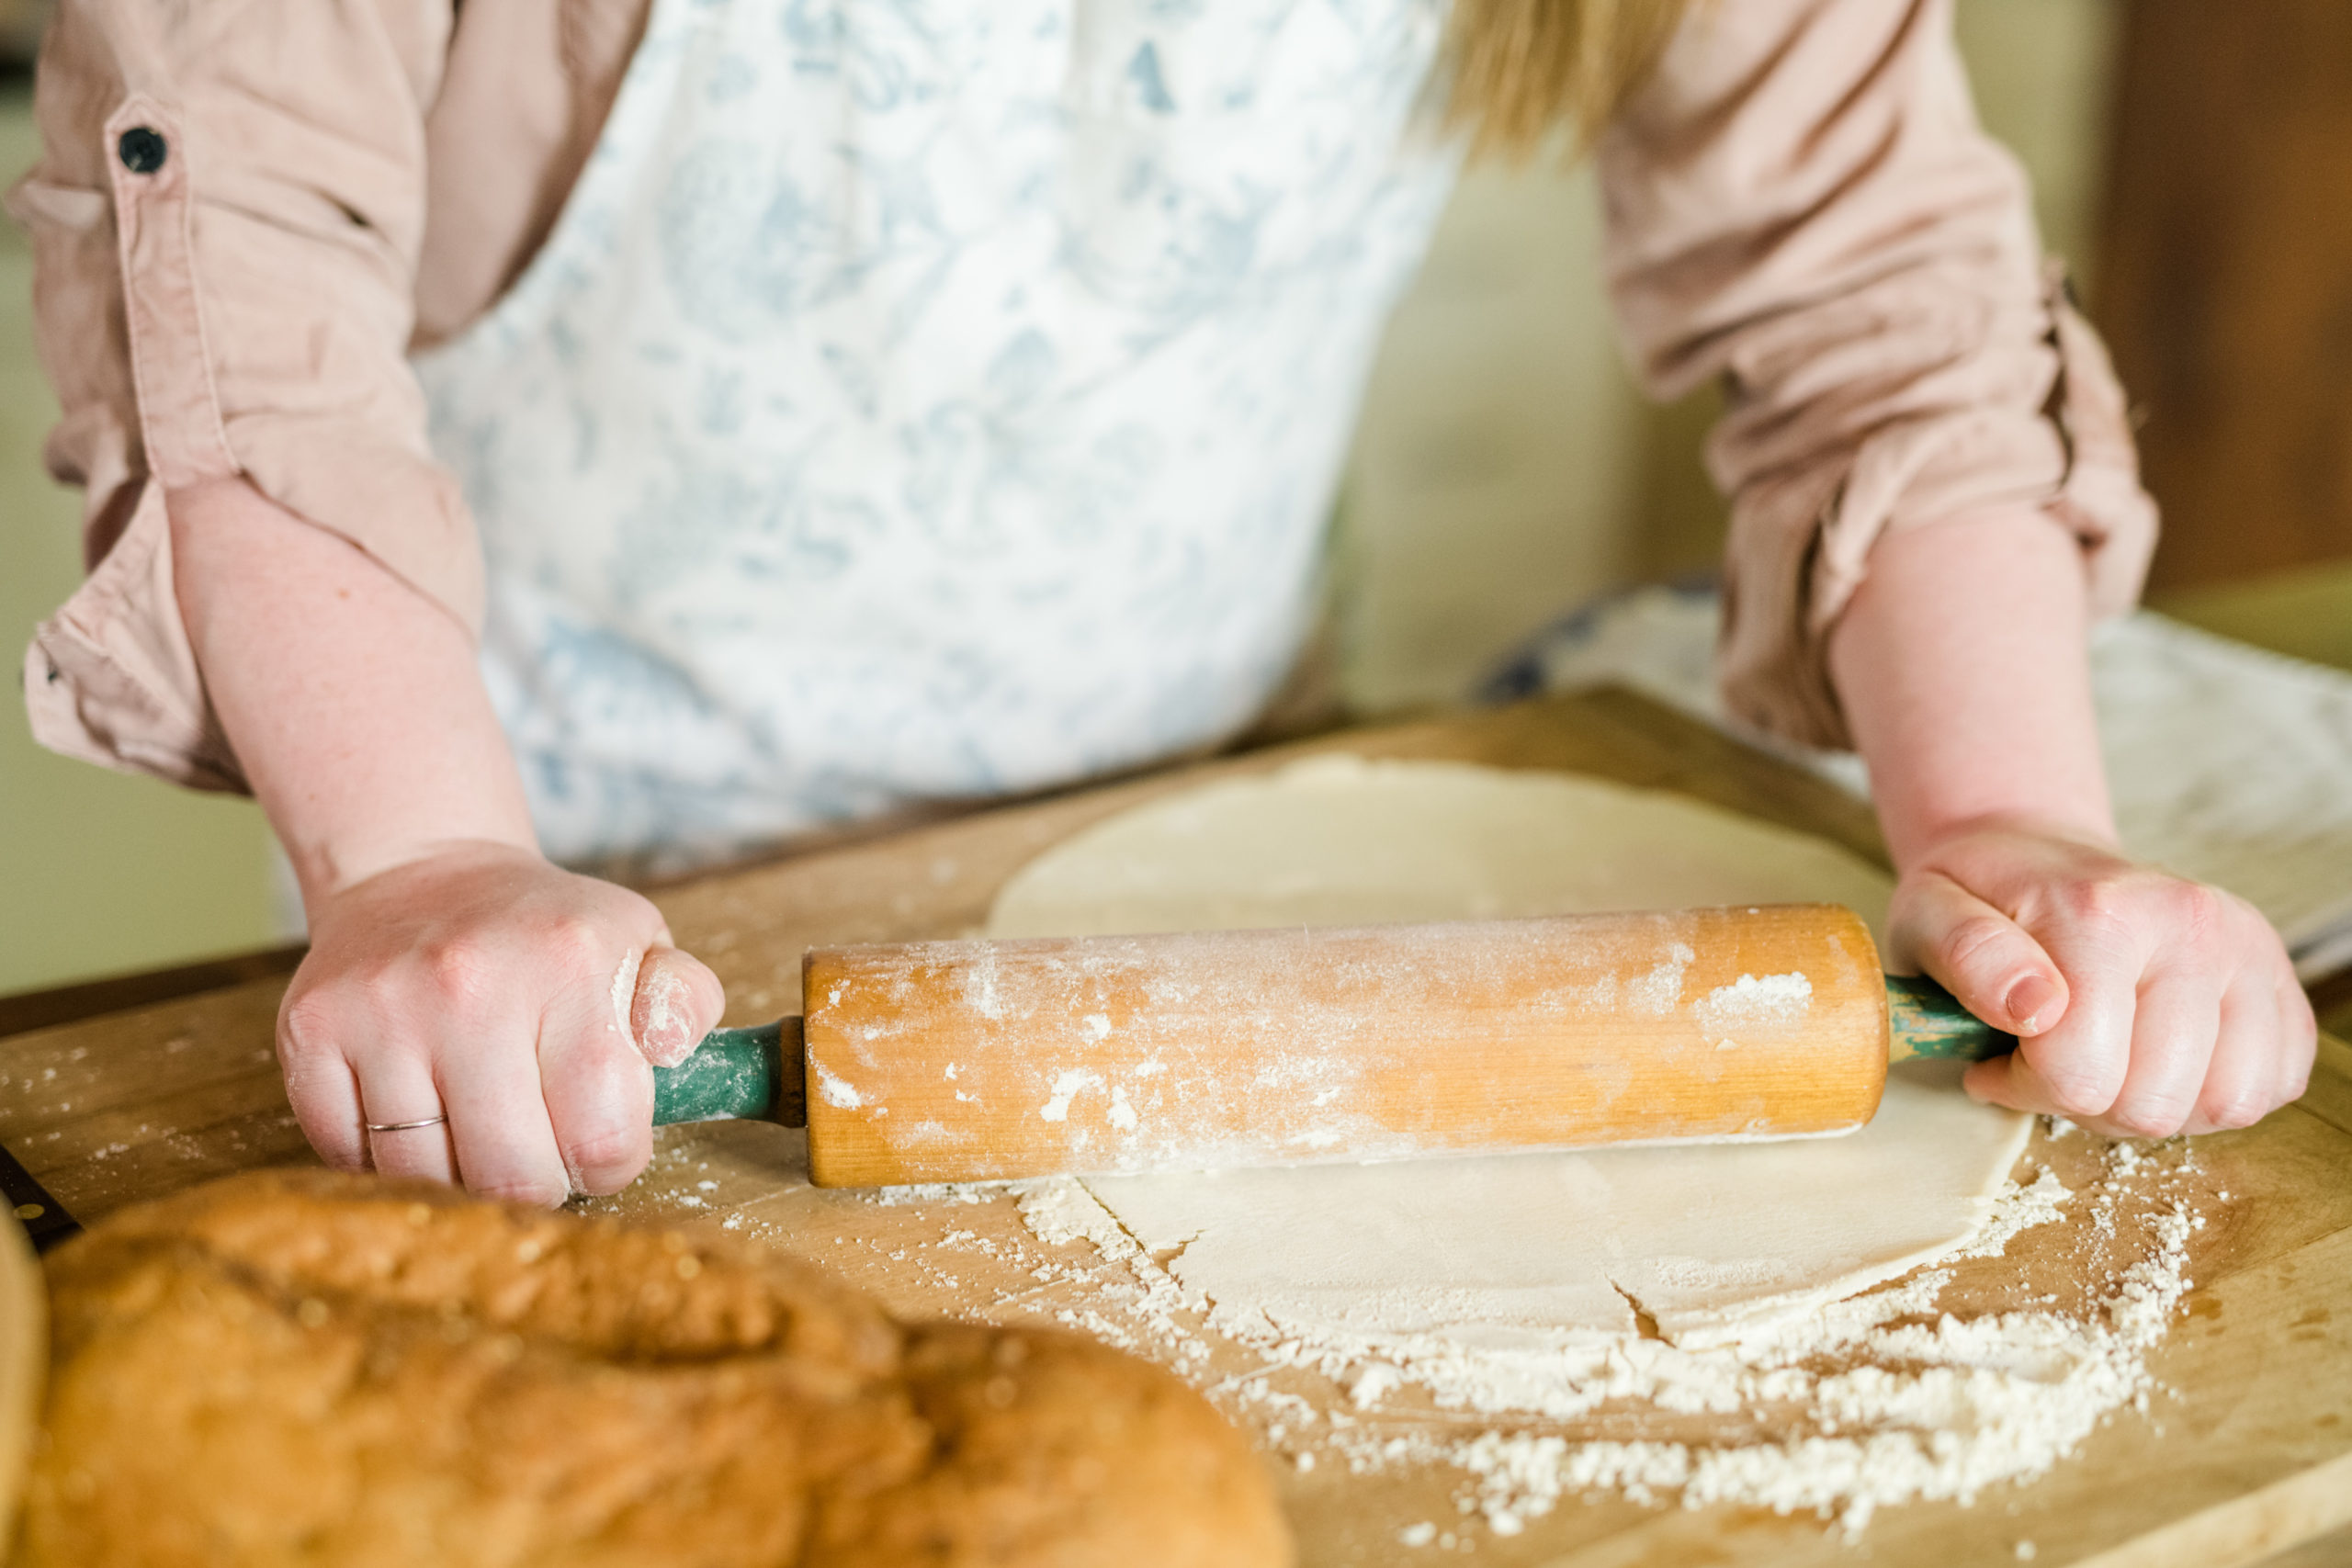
(302, 1368)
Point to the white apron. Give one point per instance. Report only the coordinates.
(926, 399)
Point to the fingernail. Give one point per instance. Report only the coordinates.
(2026, 1000)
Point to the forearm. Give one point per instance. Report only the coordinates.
(354, 705)
(1962, 668)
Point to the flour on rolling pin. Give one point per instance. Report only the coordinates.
(956, 1061)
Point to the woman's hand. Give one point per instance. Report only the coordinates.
(2144, 1004)
(521, 1001)
(452, 970)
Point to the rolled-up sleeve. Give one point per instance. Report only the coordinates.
(1801, 204)
(226, 219)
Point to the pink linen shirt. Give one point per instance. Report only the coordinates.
(248, 213)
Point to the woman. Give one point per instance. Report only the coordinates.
(867, 403)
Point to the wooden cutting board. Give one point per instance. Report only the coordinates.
(24, 1363)
(2247, 1451)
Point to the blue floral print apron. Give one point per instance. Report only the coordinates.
(930, 398)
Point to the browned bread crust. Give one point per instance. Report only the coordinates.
(301, 1367)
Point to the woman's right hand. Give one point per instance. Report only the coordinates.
(525, 1003)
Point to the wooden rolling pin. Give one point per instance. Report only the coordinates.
(971, 1061)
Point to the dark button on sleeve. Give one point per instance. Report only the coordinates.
(142, 150)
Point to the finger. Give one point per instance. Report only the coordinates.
(2301, 1031)
(625, 981)
(2241, 1080)
(497, 1119)
(319, 1084)
(598, 1092)
(678, 1001)
(1986, 960)
(397, 1087)
(2174, 1028)
(2075, 1066)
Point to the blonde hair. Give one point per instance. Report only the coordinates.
(1522, 69)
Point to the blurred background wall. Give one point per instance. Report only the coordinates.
(98, 871)
(1505, 469)
(2225, 288)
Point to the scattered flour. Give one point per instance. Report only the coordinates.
(1060, 1211)
(1879, 1399)
(1941, 1410)
(1890, 1397)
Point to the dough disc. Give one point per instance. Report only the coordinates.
(1521, 1252)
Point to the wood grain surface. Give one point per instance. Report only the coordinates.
(2247, 1450)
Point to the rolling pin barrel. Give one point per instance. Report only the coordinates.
(962, 1061)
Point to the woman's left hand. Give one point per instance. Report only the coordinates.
(2144, 1004)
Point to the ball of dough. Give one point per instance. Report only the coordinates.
(301, 1368)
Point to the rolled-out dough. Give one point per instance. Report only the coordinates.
(1523, 1252)
(1338, 840)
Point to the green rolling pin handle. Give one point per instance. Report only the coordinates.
(1925, 1019)
(752, 1074)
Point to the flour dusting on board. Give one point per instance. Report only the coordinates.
(1946, 1384)
(1898, 1395)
